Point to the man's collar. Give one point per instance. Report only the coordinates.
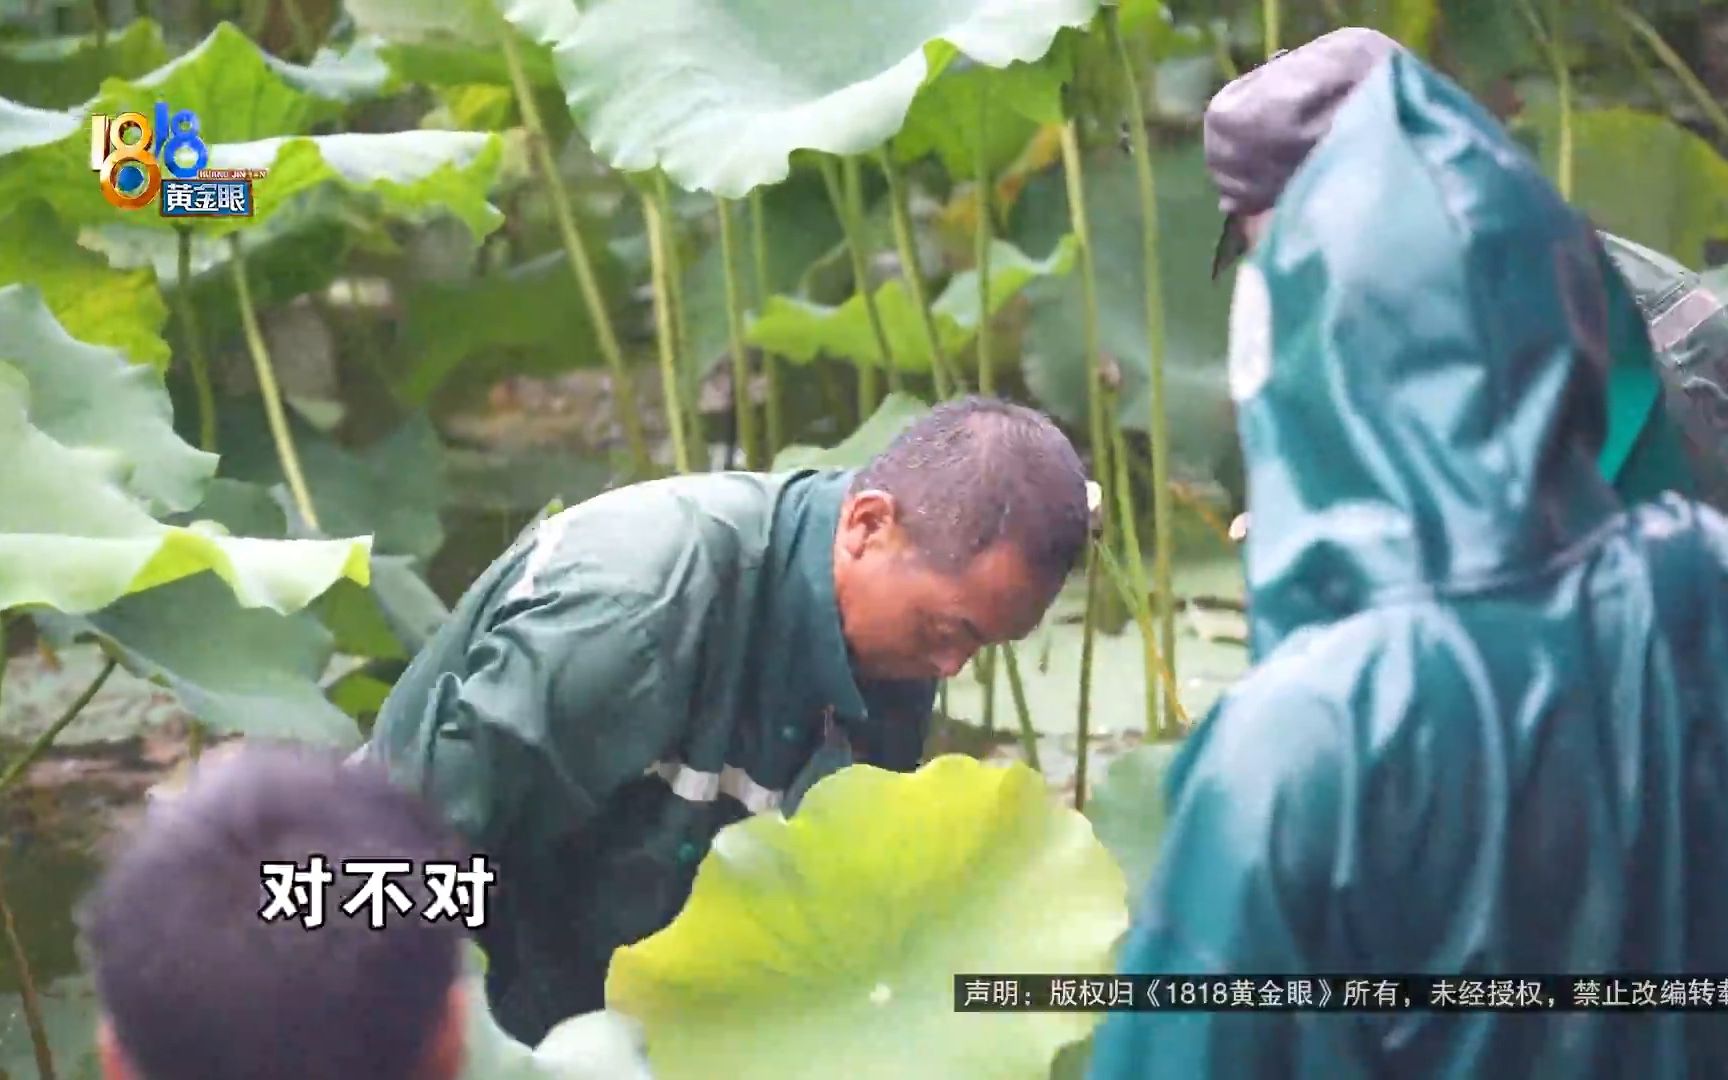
(804, 612)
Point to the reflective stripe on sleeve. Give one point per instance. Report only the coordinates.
(696, 785)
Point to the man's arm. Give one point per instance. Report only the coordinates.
(555, 707)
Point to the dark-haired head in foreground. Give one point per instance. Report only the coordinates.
(195, 985)
(959, 535)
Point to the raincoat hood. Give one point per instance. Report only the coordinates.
(1395, 447)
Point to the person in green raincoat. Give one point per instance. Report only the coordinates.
(1486, 729)
(1259, 129)
(660, 661)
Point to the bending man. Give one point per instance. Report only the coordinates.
(654, 664)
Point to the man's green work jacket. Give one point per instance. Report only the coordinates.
(634, 674)
(1486, 730)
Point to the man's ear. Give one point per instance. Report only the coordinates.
(867, 518)
(447, 1053)
(109, 1053)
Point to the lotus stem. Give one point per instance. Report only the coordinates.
(1563, 78)
(868, 391)
(770, 362)
(1074, 176)
(687, 375)
(743, 407)
(99, 22)
(1028, 737)
(1139, 599)
(23, 761)
(852, 180)
(273, 409)
(623, 389)
(1221, 53)
(1159, 427)
(981, 236)
(912, 272)
(194, 342)
(301, 29)
(1269, 13)
(1682, 71)
(27, 986)
(1083, 728)
(665, 332)
(1155, 664)
(987, 680)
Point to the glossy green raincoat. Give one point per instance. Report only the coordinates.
(634, 674)
(1487, 727)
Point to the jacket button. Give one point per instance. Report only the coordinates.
(789, 733)
(687, 852)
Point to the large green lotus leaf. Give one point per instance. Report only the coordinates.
(802, 330)
(1072, 1061)
(835, 936)
(250, 671)
(896, 413)
(524, 320)
(414, 173)
(596, 1046)
(456, 43)
(240, 92)
(95, 303)
(240, 670)
(1127, 811)
(64, 71)
(1196, 309)
(250, 106)
(391, 489)
(1010, 102)
(469, 22)
(72, 540)
(389, 618)
(72, 537)
(720, 94)
(544, 22)
(25, 127)
(1680, 200)
(88, 396)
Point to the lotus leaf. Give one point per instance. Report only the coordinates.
(835, 936)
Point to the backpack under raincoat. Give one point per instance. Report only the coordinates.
(1487, 729)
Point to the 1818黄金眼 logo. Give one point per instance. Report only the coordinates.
(130, 153)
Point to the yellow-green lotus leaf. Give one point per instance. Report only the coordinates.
(830, 940)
